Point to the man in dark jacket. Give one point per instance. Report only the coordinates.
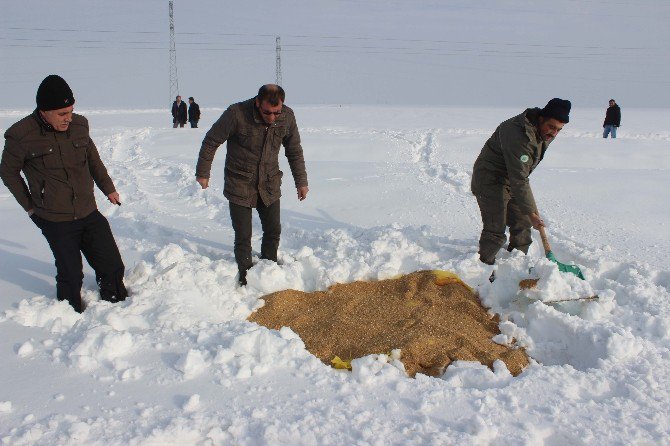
(500, 177)
(255, 129)
(178, 113)
(193, 113)
(612, 119)
(60, 162)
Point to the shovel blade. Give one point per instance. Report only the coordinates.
(572, 269)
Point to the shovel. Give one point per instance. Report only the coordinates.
(573, 269)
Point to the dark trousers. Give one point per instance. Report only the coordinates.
(499, 210)
(93, 237)
(270, 222)
(194, 124)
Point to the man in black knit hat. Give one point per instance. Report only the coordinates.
(500, 177)
(60, 162)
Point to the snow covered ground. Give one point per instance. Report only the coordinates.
(177, 363)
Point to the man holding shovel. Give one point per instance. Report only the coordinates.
(500, 177)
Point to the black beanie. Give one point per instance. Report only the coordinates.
(558, 109)
(54, 93)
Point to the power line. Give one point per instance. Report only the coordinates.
(69, 30)
(368, 38)
(346, 49)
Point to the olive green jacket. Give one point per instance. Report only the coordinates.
(60, 168)
(252, 156)
(509, 157)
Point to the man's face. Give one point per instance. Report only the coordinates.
(549, 128)
(178, 98)
(268, 112)
(612, 103)
(59, 119)
(191, 101)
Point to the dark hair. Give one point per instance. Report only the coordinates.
(191, 99)
(271, 93)
(612, 100)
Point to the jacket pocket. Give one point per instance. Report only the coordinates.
(36, 189)
(246, 137)
(79, 149)
(47, 157)
(237, 182)
(43, 195)
(278, 137)
(273, 183)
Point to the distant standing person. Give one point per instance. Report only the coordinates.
(255, 129)
(193, 113)
(60, 162)
(179, 113)
(500, 177)
(612, 119)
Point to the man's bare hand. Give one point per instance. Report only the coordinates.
(204, 182)
(302, 192)
(536, 221)
(114, 198)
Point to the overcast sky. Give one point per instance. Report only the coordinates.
(468, 53)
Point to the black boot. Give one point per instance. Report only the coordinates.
(242, 280)
(112, 288)
(76, 303)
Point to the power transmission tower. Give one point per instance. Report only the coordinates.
(278, 80)
(174, 82)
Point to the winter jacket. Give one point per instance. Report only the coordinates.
(60, 168)
(179, 112)
(509, 156)
(193, 112)
(613, 116)
(252, 157)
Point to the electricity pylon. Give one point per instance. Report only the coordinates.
(278, 79)
(174, 81)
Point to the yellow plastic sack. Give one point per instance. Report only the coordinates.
(447, 277)
(340, 364)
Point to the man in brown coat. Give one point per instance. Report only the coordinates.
(500, 177)
(60, 162)
(255, 129)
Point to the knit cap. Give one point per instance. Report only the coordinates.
(558, 109)
(54, 93)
